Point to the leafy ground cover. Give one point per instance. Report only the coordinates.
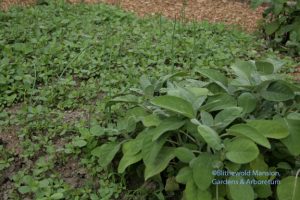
(60, 64)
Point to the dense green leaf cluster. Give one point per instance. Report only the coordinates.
(43, 45)
(282, 24)
(180, 132)
(59, 65)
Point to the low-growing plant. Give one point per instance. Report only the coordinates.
(190, 133)
(282, 23)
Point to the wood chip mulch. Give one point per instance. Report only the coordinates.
(226, 11)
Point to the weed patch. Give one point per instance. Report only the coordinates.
(62, 64)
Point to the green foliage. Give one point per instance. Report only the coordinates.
(194, 141)
(49, 45)
(61, 63)
(282, 24)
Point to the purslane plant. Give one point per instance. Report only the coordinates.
(198, 134)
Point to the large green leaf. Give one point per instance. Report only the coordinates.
(128, 160)
(171, 185)
(165, 78)
(219, 102)
(247, 101)
(202, 167)
(200, 96)
(226, 116)
(244, 70)
(151, 120)
(240, 191)
(276, 129)
(292, 142)
(264, 67)
(272, 27)
(262, 190)
(175, 104)
(210, 136)
(196, 96)
(277, 91)
(241, 150)
(251, 133)
(192, 192)
(215, 76)
(260, 165)
(106, 152)
(127, 124)
(168, 124)
(184, 154)
(134, 146)
(159, 163)
(151, 148)
(206, 118)
(289, 188)
(184, 175)
(137, 112)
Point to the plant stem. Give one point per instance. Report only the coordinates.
(172, 46)
(295, 184)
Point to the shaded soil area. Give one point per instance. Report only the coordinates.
(296, 74)
(230, 12)
(6, 184)
(10, 140)
(72, 173)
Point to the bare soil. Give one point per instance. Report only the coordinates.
(72, 173)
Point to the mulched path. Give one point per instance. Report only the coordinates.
(229, 12)
(5, 4)
(226, 11)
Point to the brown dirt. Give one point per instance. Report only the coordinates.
(72, 116)
(227, 11)
(8, 135)
(296, 74)
(10, 140)
(72, 173)
(6, 185)
(5, 4)
(5, 189)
